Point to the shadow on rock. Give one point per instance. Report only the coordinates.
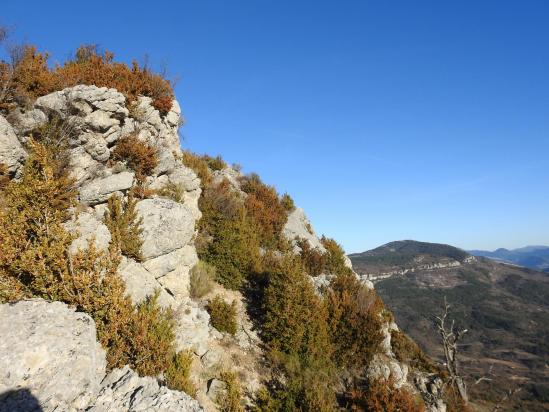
(21, 400)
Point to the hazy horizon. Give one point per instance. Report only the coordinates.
(423, 120)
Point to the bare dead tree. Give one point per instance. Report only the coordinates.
(450, 339)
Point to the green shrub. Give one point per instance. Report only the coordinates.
(139, 156)
(265, 209)
(335, 257)
(178, 372)
(227, 237)
(354, 316)
(125, 226)
(287, 202)
(215, 163)
(199, 165)
(222, 315)
(314, 261)
(202, 275)
(407, 351)
(230, 400)
(295, 318)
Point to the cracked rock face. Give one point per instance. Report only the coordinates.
(299, 227)
(98, 118)
(12, 153)
(50, 360)
(124, 391)
(49, 357)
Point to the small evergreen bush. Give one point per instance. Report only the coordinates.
(355, 321)
(123, 222)
(222, 315)
(230, 400)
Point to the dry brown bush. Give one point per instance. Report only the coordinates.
(139, 156)
(28, 77)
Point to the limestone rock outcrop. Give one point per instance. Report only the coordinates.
(50, 360)
(49, 356)
(12, 154)
(124, 391)
(298, 227)
(96, 118)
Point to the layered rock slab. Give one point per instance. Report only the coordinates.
(49, 356)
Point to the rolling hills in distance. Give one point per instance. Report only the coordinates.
(504, 307)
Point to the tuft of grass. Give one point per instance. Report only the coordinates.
(202, 275)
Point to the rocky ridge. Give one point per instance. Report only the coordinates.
(98, 119)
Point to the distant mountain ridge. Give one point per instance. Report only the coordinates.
(505, 307)
(534, 257)
(404, 256)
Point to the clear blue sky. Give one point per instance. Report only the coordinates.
(384, 120)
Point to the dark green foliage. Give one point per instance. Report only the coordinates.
(287, 202)
(125, 226)
(227, 237)
(222, 315)
(314, 262)
(335, 257)
(296, 329)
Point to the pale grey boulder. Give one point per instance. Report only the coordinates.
(100, 120)
(298, 227)
(49, 355)
(193, 328)
(162, 265)
(88, 227)
(12, 153)
(231, 175)
(140, 284)
(99, 190)
(167, 226)
(25, 122)
(124, 391)
(385, 368)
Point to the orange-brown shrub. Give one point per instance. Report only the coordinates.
(31, 77)
(139, 156)
(381, 396)
(265, 208)
(199, 165)
(313, 260)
